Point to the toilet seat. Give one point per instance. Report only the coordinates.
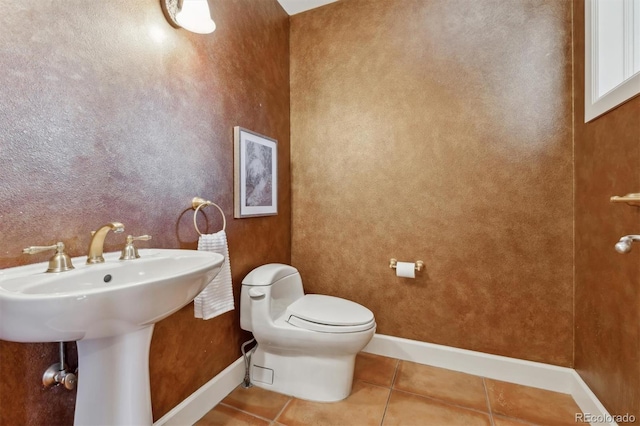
(329, 314)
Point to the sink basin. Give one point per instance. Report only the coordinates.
(110, 309)
(108, 299)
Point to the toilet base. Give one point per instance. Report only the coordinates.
(314, 378)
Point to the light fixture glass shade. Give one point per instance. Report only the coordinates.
(196, 17)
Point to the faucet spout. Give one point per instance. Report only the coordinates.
(96, 247)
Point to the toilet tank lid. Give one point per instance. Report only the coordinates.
(268, 274)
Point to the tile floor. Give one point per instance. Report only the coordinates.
(388, 391)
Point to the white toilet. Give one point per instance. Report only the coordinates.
(307, 344)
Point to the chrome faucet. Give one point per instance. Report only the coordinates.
(96, 247)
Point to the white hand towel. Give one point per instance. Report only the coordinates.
(217, 297)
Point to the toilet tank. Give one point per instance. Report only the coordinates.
(284, 284)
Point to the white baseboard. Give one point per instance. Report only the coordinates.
(204, 399)
(527, 373)
(589, 402)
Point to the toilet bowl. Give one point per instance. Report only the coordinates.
(307, 344)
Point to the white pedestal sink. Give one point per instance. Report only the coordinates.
(110, 310)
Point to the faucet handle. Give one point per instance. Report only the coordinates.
(60, 261)
(130, 251)
(40, 249)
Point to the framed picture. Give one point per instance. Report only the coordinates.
(255, 177)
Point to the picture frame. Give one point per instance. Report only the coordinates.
(255, 177)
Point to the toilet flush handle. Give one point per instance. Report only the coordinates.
(254, 293)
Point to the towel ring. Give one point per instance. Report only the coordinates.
(197, 203)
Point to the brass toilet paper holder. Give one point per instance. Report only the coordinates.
(394, 262)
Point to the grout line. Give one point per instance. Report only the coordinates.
(524, 422)
(245, 412)
(437, 399)
(282, 410)
(375, 385)
(386, 405)
(486, 396)
(393, 379)
(443, 402)
(395, 373)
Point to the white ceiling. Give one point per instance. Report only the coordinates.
(296, 6)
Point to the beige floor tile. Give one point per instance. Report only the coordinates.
(375, 369)
(257, 401)
(365, 406)
(531, 404)
(222, 415)
(408, 409)
(442, 384)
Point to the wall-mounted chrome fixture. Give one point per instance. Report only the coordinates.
(192, 15)
(624, 245)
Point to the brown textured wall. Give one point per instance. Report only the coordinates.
(607, 154)
(108, 113)
(439, 130)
